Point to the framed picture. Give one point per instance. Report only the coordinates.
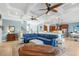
(11, 28)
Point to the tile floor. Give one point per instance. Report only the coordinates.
(11, 48)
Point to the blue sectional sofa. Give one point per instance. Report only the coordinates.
(48, 39)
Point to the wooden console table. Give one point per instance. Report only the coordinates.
(12, 37)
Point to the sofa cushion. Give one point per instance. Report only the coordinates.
(36, 41)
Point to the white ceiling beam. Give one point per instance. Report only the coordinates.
(12, 8)
(31, 7)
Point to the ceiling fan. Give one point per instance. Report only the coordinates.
(49, 8)
(33, 18)
(52, 8)
(36, 18)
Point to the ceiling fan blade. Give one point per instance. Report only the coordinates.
(57, 5)
(54, 10)
(47, 12)
(42, 9)
(40, 15)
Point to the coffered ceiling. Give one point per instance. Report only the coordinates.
(24, 10)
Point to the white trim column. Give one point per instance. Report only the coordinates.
(0, 31)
